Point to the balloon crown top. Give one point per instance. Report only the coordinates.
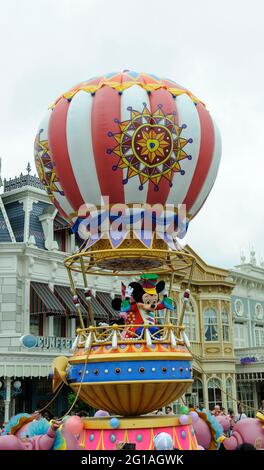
(120, 81)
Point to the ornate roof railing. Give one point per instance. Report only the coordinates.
(20, 181)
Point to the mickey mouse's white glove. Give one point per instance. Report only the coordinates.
(129, 291)
(164, 292)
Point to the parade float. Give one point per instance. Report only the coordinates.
(128, 159)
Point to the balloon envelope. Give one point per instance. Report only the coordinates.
(131, 137)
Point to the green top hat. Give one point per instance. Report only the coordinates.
(148, 282)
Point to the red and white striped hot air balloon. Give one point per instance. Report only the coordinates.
(131, 136)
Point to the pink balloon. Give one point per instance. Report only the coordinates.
(74, 425)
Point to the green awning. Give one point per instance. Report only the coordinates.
(44, 300)
(98, 310)
(105, 299)
(65, 296)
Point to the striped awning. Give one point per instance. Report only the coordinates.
(65, 296)
(105, 299)
(98, 310)
(46, 301)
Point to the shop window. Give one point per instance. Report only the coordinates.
(229, 393)
(36, 325)
(245, 396)
(214, 393)
(259, 335)
(197, 390)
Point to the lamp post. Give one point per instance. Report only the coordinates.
(7, 392)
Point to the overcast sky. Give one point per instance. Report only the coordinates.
(212, 47)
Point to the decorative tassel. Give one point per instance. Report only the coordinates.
(186, 296)
(114, 340)
(75, 343)
(148, 338)
(88, 342)
(76, 301)
(186, 340)
(173, 340)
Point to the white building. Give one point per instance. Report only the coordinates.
(248, 326)
(35, 296)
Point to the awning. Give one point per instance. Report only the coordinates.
(46, 301)
(106, 300)
(98, 311)
(65, 296)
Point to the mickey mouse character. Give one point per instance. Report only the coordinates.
(142, 301)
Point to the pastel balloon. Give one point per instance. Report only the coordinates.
(163, 441)
(114, 423)
(101, 414)
(184, 419)
(74, 425)
(194, 416)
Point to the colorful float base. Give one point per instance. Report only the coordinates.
(99, 435)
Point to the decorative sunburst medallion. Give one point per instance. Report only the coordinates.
(45, 167)
(150, 145)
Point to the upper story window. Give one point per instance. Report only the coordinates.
(190, 321)
(210, 325)
(259, 335)
(240, 335)
(239, 307)
(60, 238)
(225, 325)
(197, 391)
(259, 312)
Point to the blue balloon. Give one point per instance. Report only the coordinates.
(114, 423)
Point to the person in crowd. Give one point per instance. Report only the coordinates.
(159, 412)
(261, 407)
(217, 411)
(231, 417)
(202, 408)
(245, 446)
(168, 410)
(240, 414)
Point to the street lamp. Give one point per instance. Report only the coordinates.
(17, 390)
(17, 384)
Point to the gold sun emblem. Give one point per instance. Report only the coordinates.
(150, 146)
(45, 167)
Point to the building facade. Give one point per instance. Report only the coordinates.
(208, 323)
(35, 298)
(248, 325)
